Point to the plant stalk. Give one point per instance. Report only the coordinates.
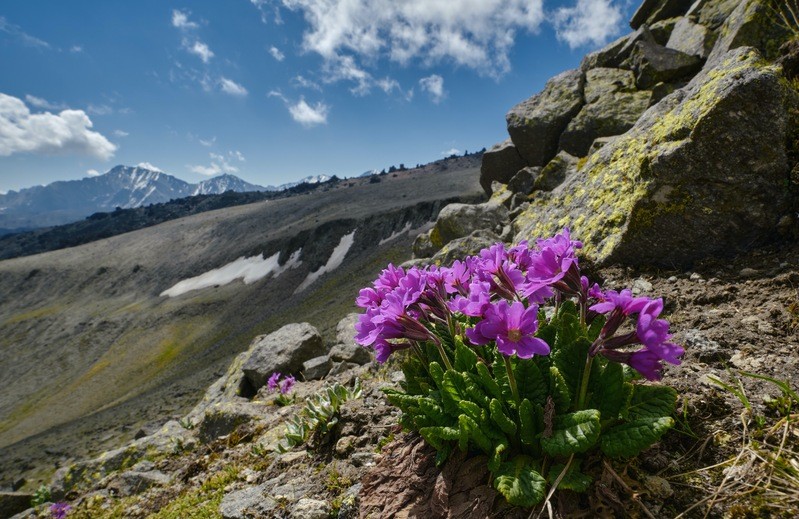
(512, 381)
(443, 354)
(584, 383)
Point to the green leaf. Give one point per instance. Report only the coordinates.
(431, 408)
(498, 456)
(437, 373)
(474, 389)
(573, 433)
(530, 381)
(559, 390)
(499, 417)
(609, 395)
(465, 357)
(595, 327)
(629, 439)
(443, 454)
(527, 423)
(473, 432)
(488, 382)
(651, 402)
(501, 376)
(519, 482)
(472, 410)
(573, 480)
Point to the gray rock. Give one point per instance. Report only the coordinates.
(345, 332)
(499, 164)
(12, 503)
(661, 31)
(246, 503)
(653, 63)
(310, 509)
(652, 11)
(556, 172)
(134, 482)
(522, 182)
(535, 125)
(669, 191)
(282, 351)
(423, 246)
(341, 367)
(660, 91)
(460, 220)
(698, 346)
(692, 38)
(316, 368)
(713, 13)
(750, 24)
(614, 54)
(347, 350)
(466, 246)
(223, 418)
(612, 106)
(598, 144)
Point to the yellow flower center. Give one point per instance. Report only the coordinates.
(514, 335)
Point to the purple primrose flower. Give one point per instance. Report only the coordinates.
(59, 510)
(512, 327)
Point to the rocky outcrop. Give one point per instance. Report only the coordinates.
(535, 125)
(346, 349)
(460, 220)
(668, 192)
(652, 11)
(612, 105)
(653, 64)
(691, 38)
(282, 351)
(752, 23)
(614, 54)
(500, 163)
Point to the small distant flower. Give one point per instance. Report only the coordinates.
(287, 384)
(59, 510)
(272, 383)
(512, 327)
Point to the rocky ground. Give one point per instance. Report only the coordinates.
(733, 315)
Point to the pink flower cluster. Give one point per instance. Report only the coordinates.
(495, 297)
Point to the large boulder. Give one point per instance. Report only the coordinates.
(712, 13)
(12, 503)
(612, 106)
(702, 173)
(281, 351)
(346, 349)
(556, 172)
(652, 11)
(691, 38)
(653, 64)
(460, 220)
(499, 164)
(753, 24)
(614, 53)
(470, 245)
(535, 124)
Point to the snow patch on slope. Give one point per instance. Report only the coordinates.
(335, 261)
(396, 235)
(248, 270)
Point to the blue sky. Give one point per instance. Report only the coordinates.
(273, 90)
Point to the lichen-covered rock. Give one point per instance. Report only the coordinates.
(346, 349)
(598, 144)
(310, 509)
(522, 182)
(692, 38)
(535, 124)
(653, 64)
(423, 246)
(466, 246)
(556, 172)
(752, 24)
(499, 164)
(247, 502)
(702, 173)
(459, 220)
(12, 503)
(613, 54)
(612, 106)
(281, 351)
(652, 11)
(225, 417)
(661, 31)
(132, 482)
(712, 13)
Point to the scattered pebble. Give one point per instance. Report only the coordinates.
(695, 276)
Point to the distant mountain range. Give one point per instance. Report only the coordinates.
(126, 187)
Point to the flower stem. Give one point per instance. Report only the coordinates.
(584, 383)
(512, 380)
(443, 354)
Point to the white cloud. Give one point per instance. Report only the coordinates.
(308, 115)
(219, 164)
(199, 49)
(591, 22)
(38, 102)
(474, 33)
(66, 132)
(451, 151)
(275, 52)
(236, 154)
(93, 173)
(150, 166)
(302, 82)
(120, 133)
(17, 32)
(433, 85)
(229, 86)
(99, 109)
(75, 49)
(181, 20)
(208, 142)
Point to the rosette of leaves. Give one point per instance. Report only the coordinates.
(542, 432)
(319, 415)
